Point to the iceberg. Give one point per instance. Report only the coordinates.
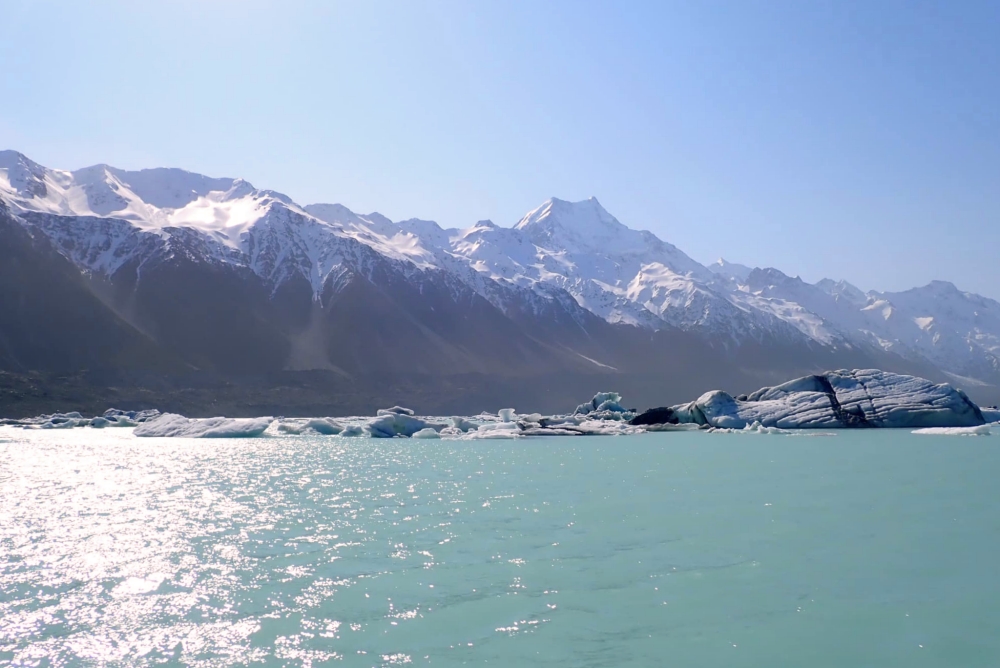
(395, 410)
(460, 424)
(604, 406)
(982, 430)
(836, 399)
(323, 426)
(129, 418)
(396, 421)
(170, 425)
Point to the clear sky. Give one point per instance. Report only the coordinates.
(856, 140)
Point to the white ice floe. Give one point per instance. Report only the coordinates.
(461, 425)
(982, 430)
(758, 428)
(178, 426)
(754, 428)
(604, 406)
(396, 421)
(395, 410)
(860, 398)
(426, 432)
(323, 426)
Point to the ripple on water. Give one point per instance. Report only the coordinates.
(115, 550)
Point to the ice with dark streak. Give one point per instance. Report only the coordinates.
(838, 399)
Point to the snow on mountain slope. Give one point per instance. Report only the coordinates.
(737, 272)
(620, 274)
(104, 218)
(955, 330)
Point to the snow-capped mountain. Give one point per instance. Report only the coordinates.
(142, 237)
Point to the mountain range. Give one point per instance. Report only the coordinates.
(197, 293)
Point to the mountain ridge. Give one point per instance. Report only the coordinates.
(554, 277)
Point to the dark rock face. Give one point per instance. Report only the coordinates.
(662, 415)
(49, 318)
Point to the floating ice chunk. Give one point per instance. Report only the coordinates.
(463, 425)
(606, 428)
(603, 402)
(540, 431)
(178, 426)
(353, 430)
(991, 415)
(130, 418)
(754, 428)
(674, 427)
(324, 426)
(498, 426)
(491, 434)
(506, 414)
(860, 398)
(383, 427)
(395, 410)
(100, 423)
(426, 432)
(982, 430)
(390, 425)
(60, 422)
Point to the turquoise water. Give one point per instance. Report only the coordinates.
(685, 549)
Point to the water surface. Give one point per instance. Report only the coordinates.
(688, 549)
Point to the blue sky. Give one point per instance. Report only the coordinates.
(856, 140)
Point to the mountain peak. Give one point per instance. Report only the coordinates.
(943, 286)
(584, 217)
(9, 158)
(733, 270)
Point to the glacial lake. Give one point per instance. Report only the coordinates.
(686, 549)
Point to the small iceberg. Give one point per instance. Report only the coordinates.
(170, 425)
(322, 426)
(398, 421)
(982, 430)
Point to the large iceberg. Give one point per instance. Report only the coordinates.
(178, 426)
(836, 399)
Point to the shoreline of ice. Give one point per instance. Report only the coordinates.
(835, 400)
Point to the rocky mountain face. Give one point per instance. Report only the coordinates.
(187, 277)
